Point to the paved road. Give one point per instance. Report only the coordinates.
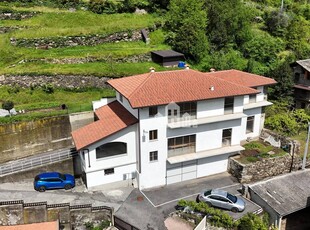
(145, 210)
(99, 196)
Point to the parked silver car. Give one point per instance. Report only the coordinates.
(222, 199)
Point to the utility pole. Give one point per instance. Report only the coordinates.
(306, 149)
(282, 3)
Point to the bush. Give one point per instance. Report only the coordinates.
(215, 216)
(103, 6)
(8, 105)
(251, 222)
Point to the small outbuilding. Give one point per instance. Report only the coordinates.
(167, 57)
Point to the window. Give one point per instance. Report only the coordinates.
(120, 97)
(181, 145)
(252, 98)
(189, 108)
(111, 149)
(297, 77)
(154, 156)
(109, 171)
(250, 124)
(153, 135)
(153, 111)
(229, 105)
(226, 139)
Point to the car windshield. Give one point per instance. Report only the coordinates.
(208, 192)
(62, 176)
(232, 198)
(37, 178)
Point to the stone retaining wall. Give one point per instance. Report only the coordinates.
(267, 167)
(133, 59)
(70, 41)
(16, 15)
(70, 217)
(63, 81)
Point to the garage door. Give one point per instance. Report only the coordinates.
(181, 172)
(212, 165)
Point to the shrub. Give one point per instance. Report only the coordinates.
(215, 216)
(8, 105)
(48, 88)
(251, 222)
(103, 6)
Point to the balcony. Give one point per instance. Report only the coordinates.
(256, 105)
(203, 154)
(205, 120)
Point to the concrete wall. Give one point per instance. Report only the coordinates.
(78, 120)
(65, 166)
(19, 140)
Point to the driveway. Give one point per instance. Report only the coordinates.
(153, 206)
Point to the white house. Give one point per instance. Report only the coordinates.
(167, 127)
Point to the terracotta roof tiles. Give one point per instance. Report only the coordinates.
(160, 88)
(113, 117)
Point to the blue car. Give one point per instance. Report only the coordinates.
(53, 180)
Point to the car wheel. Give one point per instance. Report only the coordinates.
(209, 204)
(41, 189)
(234, 209)
(68, 186)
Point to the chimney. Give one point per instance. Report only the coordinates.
(152, 69)
(212, 88)
(186, 66)
(212, 70)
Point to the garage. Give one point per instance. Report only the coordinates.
(181, 171)
(212, 165)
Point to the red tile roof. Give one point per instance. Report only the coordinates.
(243, 78)
(113, 117)
(160, 88)
(44, 225)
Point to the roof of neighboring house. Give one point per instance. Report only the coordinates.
(243, 78)
(113, 117)
(167, 53)
(304, 63)
(161, 88)
(285, 194)
(304, 87)
(44, 225)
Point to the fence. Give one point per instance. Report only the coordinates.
(32, 162)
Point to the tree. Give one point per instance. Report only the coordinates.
(228, 23)
(277, 22)
(284, 90)
(186, 22)
(8, 105)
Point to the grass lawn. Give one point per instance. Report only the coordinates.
(38, 103)
(256, 150)
(94, 68)
(53, 24)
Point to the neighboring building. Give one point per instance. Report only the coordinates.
(54, 225)
(301, 70)
(167, 127)
(167, 58)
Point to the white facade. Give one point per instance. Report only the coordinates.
(209, 154)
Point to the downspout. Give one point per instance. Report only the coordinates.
(88, 156)
(139, 142)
